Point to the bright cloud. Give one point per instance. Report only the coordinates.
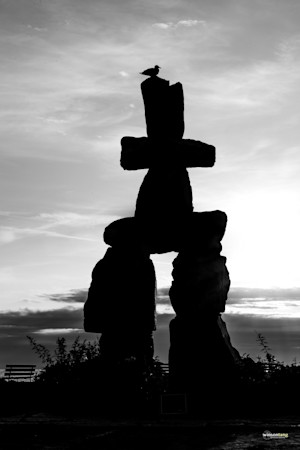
(271, 303)
(49, 224)
(58, 331)
(267, 302)
(8, 235)
(124, 74)
(266, 84)
(71, 219)
(180, 23)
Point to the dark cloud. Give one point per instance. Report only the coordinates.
(163, 291)
(282, 334)
(31, 321)
(80, 296)
(74, 296)
(41, 325)
(15, 326)
(162, 296)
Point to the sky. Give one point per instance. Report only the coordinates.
(70, 90)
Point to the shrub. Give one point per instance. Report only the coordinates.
(66, 365)
(83, 364)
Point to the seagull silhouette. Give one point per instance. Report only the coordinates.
(151, 72)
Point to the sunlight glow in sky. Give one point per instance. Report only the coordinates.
(70, 90)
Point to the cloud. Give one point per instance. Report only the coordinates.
(54, 225)
(74, 296)
(237, 294)
(163, 304)
(164, 309)
(58, 331)
(22, 322)
(47, 325)
(162, 25)
(273, 303)
(124, 74)
(265, 83)
(7, 275)
(288, 50)
(63, 90)
(282, 333)
(190, 23)
(180, 23)
(11, 234)
(71, 219)
(41, 30)
(163, 294)
(260, 302)
(7, 235)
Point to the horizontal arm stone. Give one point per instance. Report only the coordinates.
(143, 153)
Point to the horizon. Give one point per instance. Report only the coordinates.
(281, 333)
(71, 90)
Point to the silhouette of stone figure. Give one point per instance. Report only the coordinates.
(164, 108)
(121, 303)
(121, 298)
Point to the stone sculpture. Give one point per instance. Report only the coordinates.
(121, 298)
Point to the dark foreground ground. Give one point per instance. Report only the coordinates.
(37, 417)
(48, 431)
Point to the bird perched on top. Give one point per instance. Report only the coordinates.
(151, 72)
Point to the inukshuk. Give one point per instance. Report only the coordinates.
(121, 298)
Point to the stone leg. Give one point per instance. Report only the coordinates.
(200, 284)
(121, 304)
(201, 354)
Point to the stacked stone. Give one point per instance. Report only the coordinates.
(121, 299)
(201, 353)
(201, 280)
(121, 303)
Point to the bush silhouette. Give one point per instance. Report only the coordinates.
(126, 385)
(82, 366)
(66, 365)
